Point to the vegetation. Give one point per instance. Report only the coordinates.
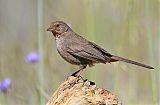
(127, 28)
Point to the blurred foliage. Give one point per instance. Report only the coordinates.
(128, 28)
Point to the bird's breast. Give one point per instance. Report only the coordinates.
(62, 48)
(59, 42)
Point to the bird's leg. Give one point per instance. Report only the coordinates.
(77, 74)
(80, 70)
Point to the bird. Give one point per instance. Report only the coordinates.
(77, 50)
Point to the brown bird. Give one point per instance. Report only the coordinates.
(78, 51)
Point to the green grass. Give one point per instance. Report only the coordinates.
(126, 28)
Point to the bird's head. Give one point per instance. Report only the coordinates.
(58, 28)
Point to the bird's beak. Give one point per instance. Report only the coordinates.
(49, 29)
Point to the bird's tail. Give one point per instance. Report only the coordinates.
(117, 58)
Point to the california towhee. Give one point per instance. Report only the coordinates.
(78, 51)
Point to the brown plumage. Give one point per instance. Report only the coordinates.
(78, 51)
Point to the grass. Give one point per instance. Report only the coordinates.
(41, 51)
(126, 28)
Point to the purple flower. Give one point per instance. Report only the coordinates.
(32, 57)
(5, 84)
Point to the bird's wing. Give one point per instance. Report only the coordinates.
(101, 49)
(86, 52)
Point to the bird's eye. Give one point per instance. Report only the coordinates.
(57, 25)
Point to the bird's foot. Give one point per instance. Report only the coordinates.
(76, 74)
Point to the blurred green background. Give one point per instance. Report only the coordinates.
(128, 28)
